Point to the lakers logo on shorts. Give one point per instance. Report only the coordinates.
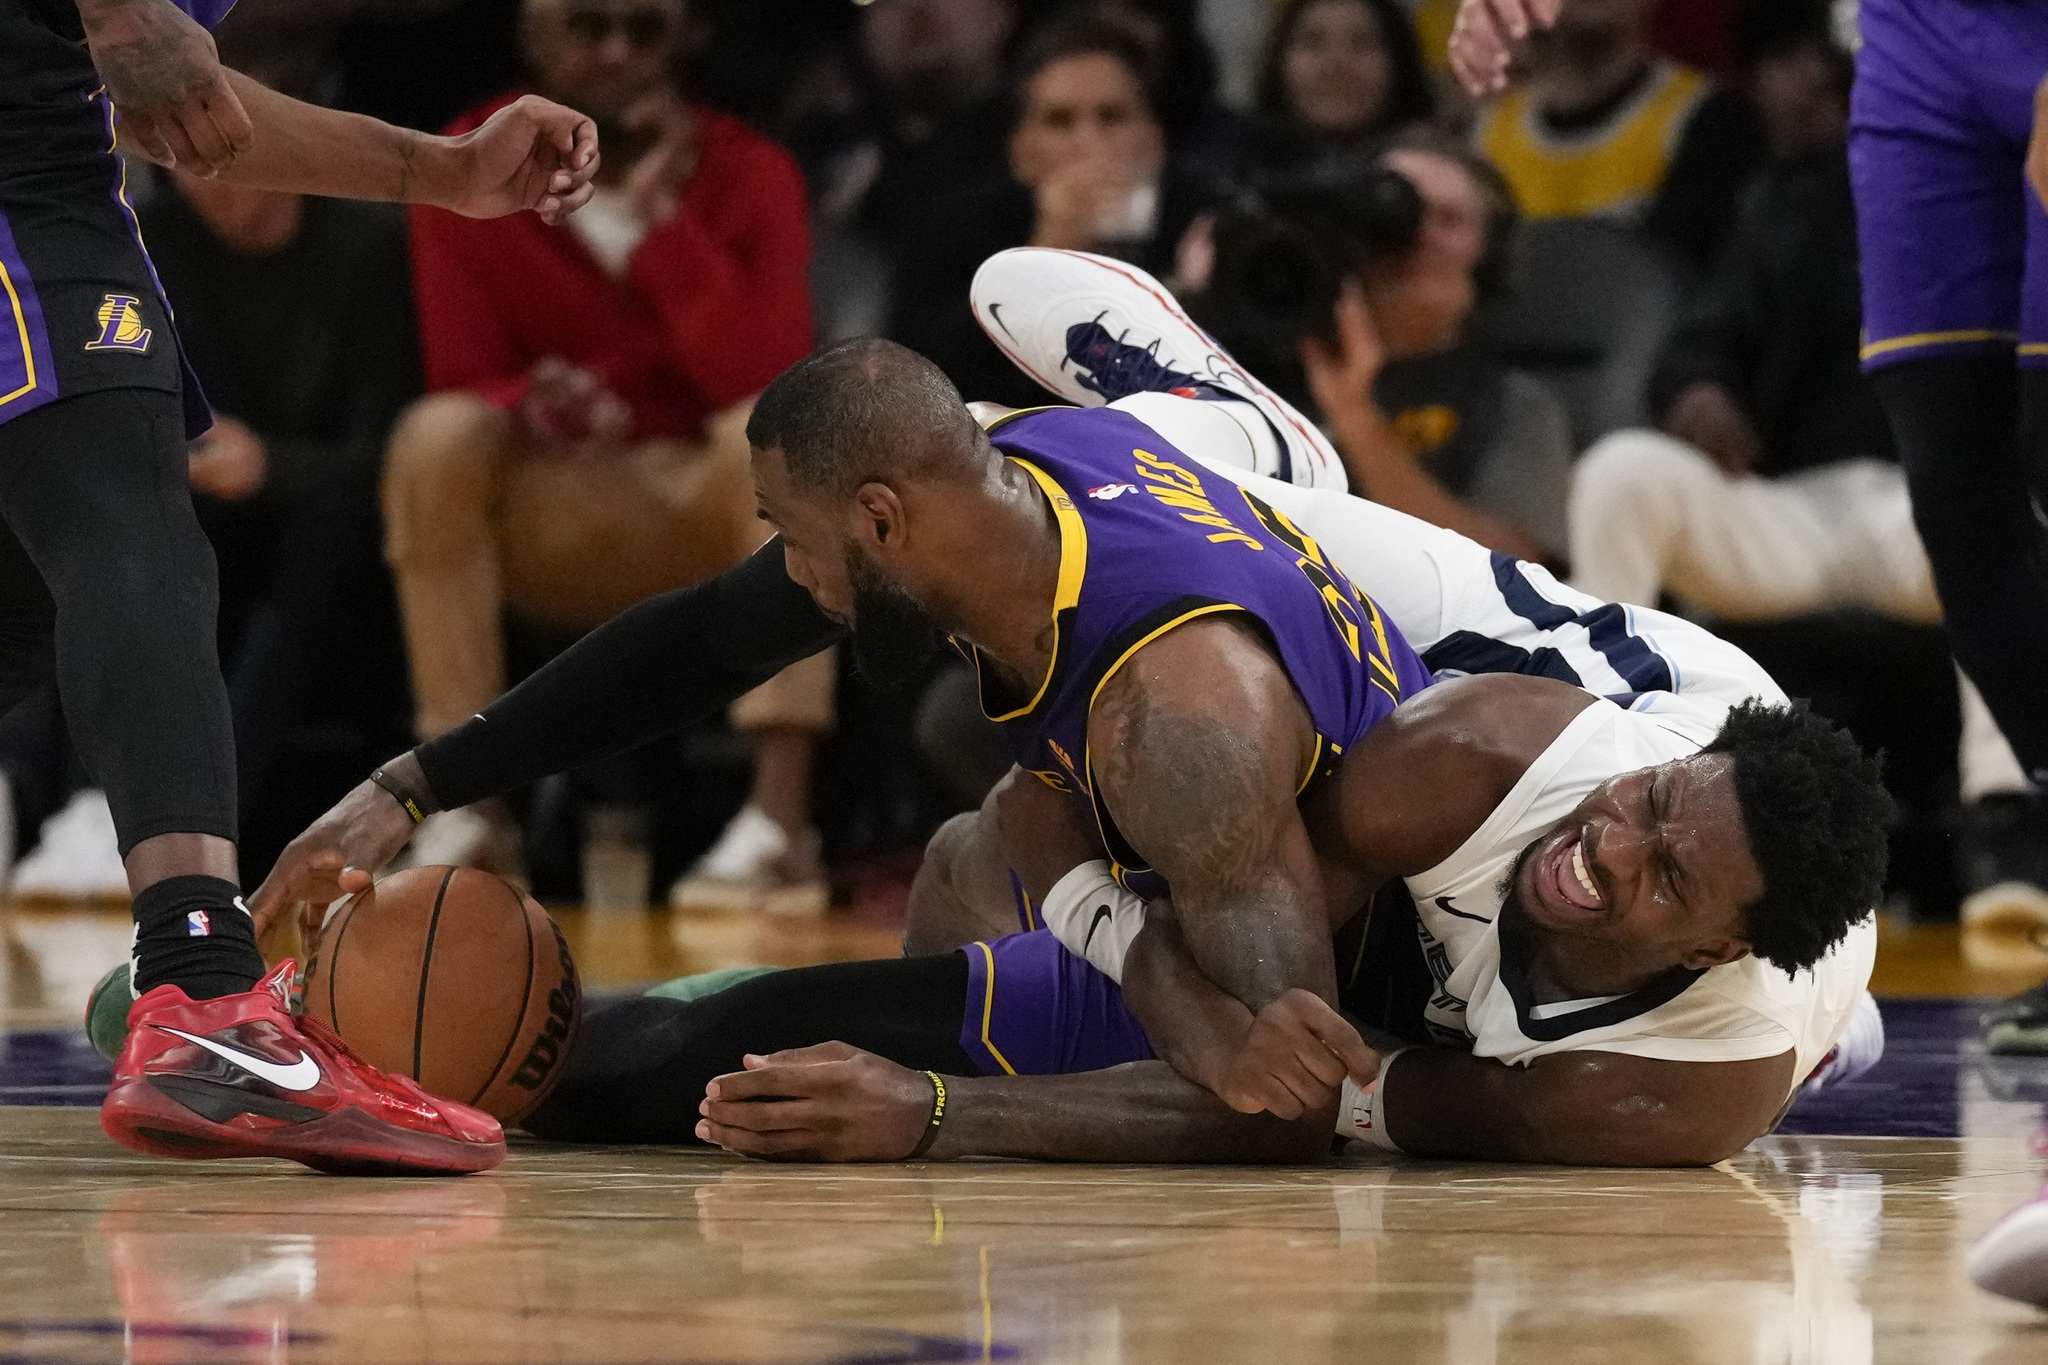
(121, 328)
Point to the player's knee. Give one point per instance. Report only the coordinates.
(1628, 476)
(446, 446)
(935, 920)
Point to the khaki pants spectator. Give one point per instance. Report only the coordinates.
(478, 517)
(1651, 514)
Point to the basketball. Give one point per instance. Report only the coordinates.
(452, 977)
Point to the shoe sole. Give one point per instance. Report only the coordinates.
(802, 902)
(1269, 404)
(2012, 1259)
(2016, 908)
(347, 1142)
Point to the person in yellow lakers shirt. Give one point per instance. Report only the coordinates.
(1597, 125)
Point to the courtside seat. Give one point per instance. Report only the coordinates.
(1587, 309)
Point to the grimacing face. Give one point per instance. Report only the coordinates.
(1656, 860)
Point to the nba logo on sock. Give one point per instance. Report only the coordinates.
(197, 925)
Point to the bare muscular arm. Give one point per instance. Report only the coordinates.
(1198, 746)
(532, 154)
(837, 1103)
(1583, 1108)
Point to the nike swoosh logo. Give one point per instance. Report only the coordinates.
(1443, 903)
(303, 1074)
(1101, 914)
(995, 315)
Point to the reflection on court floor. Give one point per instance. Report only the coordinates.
(1810, 1247)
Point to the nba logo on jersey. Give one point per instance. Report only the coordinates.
(1110, 491)
(121, 329)
(197, 925)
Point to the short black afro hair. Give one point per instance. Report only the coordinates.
(1816, 812)
(861, 411)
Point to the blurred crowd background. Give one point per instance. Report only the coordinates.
(1611, 320)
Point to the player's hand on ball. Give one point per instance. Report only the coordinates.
(832, 1102)
(1484, 36)
(532, 154)
(335, 856)
(165, 79)
(1297, 1053)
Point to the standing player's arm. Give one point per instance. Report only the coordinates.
(647, 672)
(1582, 1108)
(532, 154)
(1198, 746)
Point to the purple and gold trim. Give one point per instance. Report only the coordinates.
(28, 379)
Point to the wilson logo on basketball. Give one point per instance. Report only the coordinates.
(553, 1039)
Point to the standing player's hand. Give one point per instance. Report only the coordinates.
(165, 79)
(1484, 37)
(532, 154)
(1294, 1059)
(335, 856)
(832, 1102)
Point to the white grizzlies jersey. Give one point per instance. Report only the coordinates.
(1735, 1012)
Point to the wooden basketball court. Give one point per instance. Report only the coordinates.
(1809, 1247)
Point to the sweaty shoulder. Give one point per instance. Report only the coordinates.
(1464, 743)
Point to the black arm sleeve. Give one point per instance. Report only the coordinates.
(647, 672)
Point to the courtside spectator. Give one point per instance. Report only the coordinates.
(941, 200)
(584, 445)
(1337, 76)
(1427, 421)
(1090, 149)
(1598, 125)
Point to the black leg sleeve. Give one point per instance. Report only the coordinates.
(638, 1069)
(1957, 423)
(96, 490)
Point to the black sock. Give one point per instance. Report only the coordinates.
(193, 933)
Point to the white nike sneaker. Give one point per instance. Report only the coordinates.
(755, 868)
(1860, 1048)
(1096, 330)
(2012, 1258)
(77, 857)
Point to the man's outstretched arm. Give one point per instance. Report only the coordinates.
(1582, 1108)
(532, 154)
(837, 1103)
(179, 106)
(649, 671)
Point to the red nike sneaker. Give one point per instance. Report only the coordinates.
(240, 1076)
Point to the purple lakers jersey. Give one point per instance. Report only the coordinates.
(1150, 540)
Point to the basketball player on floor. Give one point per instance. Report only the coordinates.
(1949, 154)
(1606, 984)
(106, 583)
(1138, 646)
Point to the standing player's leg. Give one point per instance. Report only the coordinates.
(95, 489)
(1939, 123)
